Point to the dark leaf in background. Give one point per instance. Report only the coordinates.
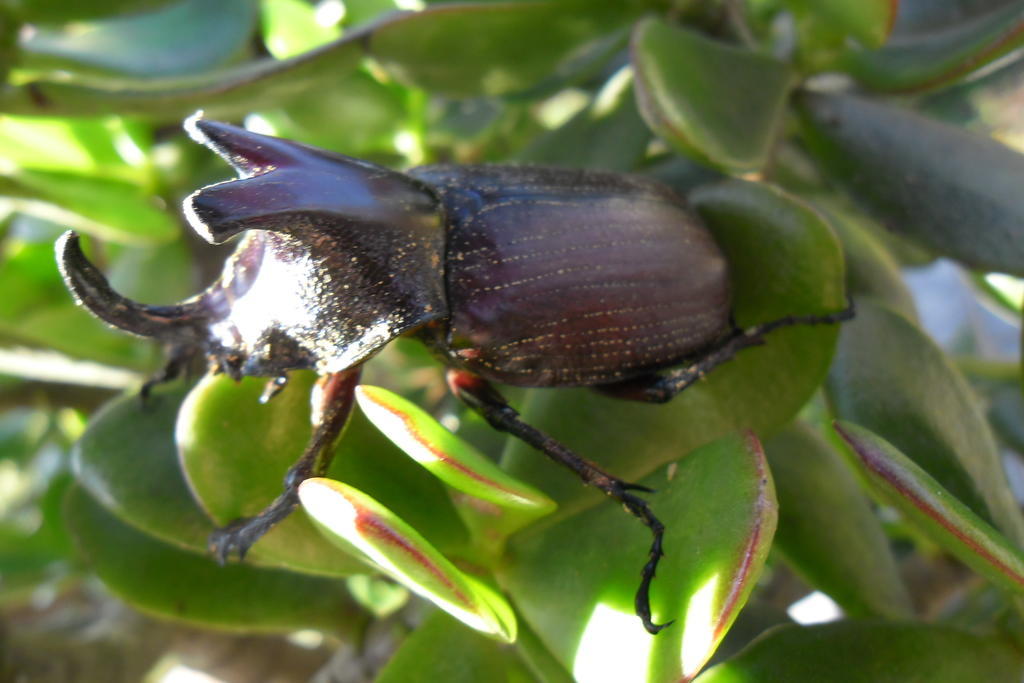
(44, 11)
(183, 586)
(184, 38)
(955, 192)
(936, 55)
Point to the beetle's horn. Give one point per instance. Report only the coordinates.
(283, 181)
(248, 153)
(90, 288)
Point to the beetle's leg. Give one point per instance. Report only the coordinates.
(178, 358)
(485, 399)
(660, 388)
(333, 398)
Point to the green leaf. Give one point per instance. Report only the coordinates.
(868, 21)
(365, 116)
(896, 480)
(714, 102)
(44, 314)
(871, 269)
(69, 329)
(891, 378)
(110, 209)
(488, 48)
(222, 93)
(942, 54)
(380, 596)
(161, 274)
(235, 452)
(784, 260)
(364, 527)
(827, 529)
(494, 504)
(446, 456)
(574, 581)
(290, 27)
(440, 649)
(183, 38)
(953, 191)
(612, 117)
(57, 11)
(855, 651)
(84, 146)
(175, 584)
(127, 461)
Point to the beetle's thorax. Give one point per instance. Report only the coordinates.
(320, 297)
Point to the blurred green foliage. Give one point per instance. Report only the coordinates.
(827, 145)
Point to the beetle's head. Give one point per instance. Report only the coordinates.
(340, 257)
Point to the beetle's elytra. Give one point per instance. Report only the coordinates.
(530, 276)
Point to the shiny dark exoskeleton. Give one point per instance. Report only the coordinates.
(530, 276)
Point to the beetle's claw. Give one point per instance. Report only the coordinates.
(235, 539)
(653, 628)
(626, 486)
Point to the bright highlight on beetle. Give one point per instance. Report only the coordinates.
(522, 275)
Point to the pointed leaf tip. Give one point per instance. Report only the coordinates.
(358, 523)
(897, 480)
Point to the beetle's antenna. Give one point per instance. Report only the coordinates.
(175, 324)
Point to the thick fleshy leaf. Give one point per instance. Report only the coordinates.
(714, 102)
(128, 462)
(235, 452)
(220, 93)
(612, 117)
(941, 54)
(897, 481)
(870, 650)
(187, 37)
(176, 584)
(575, 581)
(111, 209)
(891, 378)
(92, 146)
(440, 649)
(290, 28)
(868, 21)
(57, 11)
(489, 48)
(871, 269)
(365, 116)
(953, 191)
(364, 527)
(827, 529)
(784, 260)
(492, 503)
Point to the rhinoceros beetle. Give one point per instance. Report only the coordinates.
(524, 275)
